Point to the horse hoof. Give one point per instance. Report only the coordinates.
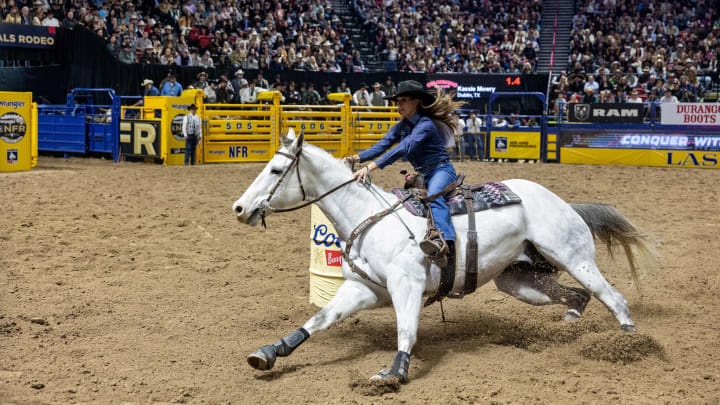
(572, 315)
(628, 328)
(387, 376)
(263, 359)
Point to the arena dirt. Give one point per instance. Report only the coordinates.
(134, 283)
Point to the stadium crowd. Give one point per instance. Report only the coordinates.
(453, 36)
(641, 52)
(272, 36)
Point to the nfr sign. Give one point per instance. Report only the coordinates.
(237, 151)
(140, 138)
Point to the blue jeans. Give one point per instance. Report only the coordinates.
(480, 145)
(190, 144)
(436, 180)
(469, 140)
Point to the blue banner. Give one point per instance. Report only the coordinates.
(26, 36)
(646, 139)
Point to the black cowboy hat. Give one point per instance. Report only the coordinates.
(192, 107)
(412, 88)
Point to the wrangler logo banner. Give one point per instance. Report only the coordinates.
(26, 36)
(515, 145)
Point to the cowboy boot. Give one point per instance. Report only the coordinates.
(447, 276)
(436, 250)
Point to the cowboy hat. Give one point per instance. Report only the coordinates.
(192, 107)
(201, 74)
(146, 82)
(239, 72)
(412, 88)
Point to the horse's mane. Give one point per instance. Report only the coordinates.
(332, 165)
(330, 162)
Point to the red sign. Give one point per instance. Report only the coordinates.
(333, 258)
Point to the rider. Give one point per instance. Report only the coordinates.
(422, 137)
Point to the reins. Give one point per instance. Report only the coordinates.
(295, 163)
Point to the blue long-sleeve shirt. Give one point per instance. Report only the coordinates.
(172, 90)
(418, 140)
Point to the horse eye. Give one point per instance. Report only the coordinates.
(275, 171)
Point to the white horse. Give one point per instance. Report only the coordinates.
(543, 232)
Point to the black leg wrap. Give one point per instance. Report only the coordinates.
(286, 345)
(447, 273)
(400, 366)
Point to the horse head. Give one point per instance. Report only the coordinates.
(276, 186)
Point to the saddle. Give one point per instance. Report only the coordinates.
(484, 196)
(460, 199)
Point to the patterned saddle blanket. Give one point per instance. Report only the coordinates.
(486, 196)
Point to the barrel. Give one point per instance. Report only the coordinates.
(325, 259)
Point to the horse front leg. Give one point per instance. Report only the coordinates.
(406, 291)
(351, 297)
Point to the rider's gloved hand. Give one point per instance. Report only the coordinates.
(363, 175)
(352, 159)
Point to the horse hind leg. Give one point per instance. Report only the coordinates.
(538, 285)
(579, 261)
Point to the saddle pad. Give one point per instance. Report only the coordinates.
(486, 196)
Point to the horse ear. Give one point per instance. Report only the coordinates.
(289, 139)
(300, 139)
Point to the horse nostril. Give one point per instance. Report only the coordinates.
(239, 209)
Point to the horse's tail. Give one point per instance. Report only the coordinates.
(612, 228)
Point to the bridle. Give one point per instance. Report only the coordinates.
(295, 159)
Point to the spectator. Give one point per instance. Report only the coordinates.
(249, 94)
(210, 95)
(389, 88)
(261, 81)
(377, 98)
(50, 20)
(324, 93)
(26, 19)
(126, 55)
(515, 121)
(591, 83)
(634, 97)
(293, 96)
(201, 82)
(206, 61)
(237, 84)
(311, 96)
(343, 88)
(577, 85)
(473, 135)
(144, 42)
(589, 96)
(149, 56)
(171, 88)
(14, 16)
(149, 89)
(361, 97)
(460, 127)
(668, 98)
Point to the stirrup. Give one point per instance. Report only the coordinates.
(436, 251)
